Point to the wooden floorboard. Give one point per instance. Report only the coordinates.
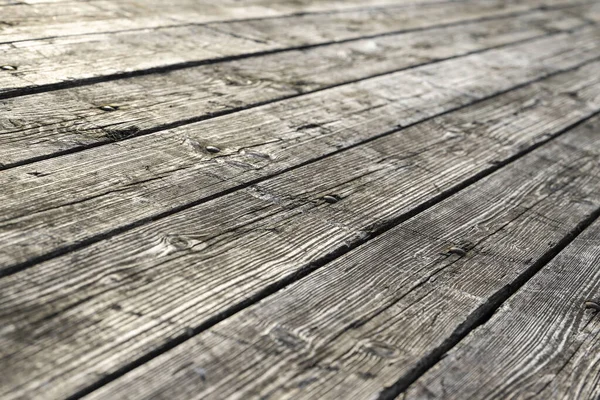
(140, 290)
(103, 190)
(65, 61)
(299, 199)
(47, 124)
(33, 20)
(371, 319)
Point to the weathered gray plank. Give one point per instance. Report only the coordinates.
(39, 125)
(32, 21)
(56, 60)
(538, 343)
(373, 316)
(66, 200)
(71, 320)
(44, 19)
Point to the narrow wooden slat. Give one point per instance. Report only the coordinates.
(39, 125)
(51, 205)
(538, 344)
(372, 318)
(64, 60)
(70, 321)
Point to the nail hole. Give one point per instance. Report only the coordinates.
(109, 107)
(593, 304)
(459, 251)
(212, 149)
(331, 198)
(8, 68)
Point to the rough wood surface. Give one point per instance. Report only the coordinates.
(91, 312)
(23, 22)
(48, 123)
(314, 199)
(373, 317)
(69, 59)
(33, 20)
(541, 343)
(91, 193)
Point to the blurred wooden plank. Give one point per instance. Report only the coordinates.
(44, 19)
(42, 125)
(67, 60)
(76, 319)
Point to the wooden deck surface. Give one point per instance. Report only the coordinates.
(299, 199)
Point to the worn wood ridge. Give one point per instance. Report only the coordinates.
(299, 199)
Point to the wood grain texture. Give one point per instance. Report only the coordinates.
(539, 344)
(33, 20)
(64, 60)
(371, 317)
(67, 200)
(48, 123)
(578, 377)
(72, 320)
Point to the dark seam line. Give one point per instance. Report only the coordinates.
(484, 312)
(50, 87)
(230, 111)
(494, 302)
(97, 238)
